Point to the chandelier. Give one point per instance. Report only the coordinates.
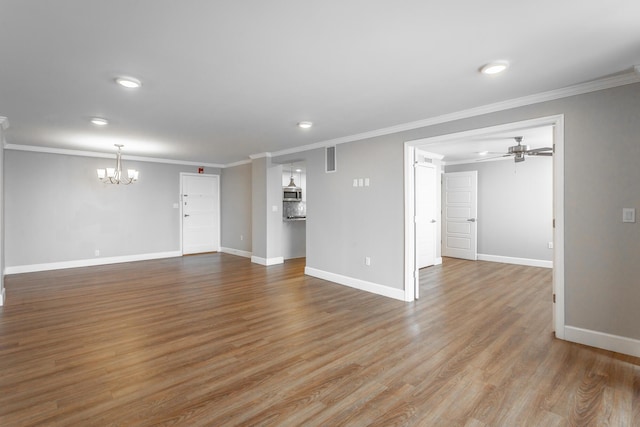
(114, 175)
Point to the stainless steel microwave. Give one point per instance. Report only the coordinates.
(292, 194)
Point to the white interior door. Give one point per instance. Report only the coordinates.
(460, 190)
(425, 214)
(200, 213)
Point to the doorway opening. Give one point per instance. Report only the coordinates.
(411, 152)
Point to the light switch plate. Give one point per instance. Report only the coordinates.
(628, 215)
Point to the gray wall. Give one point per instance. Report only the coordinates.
(515, 207)
(345, 224)
(236, 207)
(258, 207)
(56, 210)
(601, 177)
(266, 190)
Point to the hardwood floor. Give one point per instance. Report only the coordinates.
(214, 340)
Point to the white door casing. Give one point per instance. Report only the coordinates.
(200, 198)
(460, 233)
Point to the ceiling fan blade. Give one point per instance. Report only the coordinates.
(537, 150)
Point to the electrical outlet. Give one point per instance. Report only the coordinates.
(550, 245)
(241, 237)
(97, 252)
(367, 260)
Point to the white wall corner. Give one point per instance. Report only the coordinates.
(603, 340)
(4, 123)
(351, 282)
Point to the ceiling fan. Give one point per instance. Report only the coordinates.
(518, 151)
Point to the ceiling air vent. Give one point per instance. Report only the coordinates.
(330, 159)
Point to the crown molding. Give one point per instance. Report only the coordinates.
(4, 123)
(579, 89)
(67, 152)
(239, 163)
(260, 155)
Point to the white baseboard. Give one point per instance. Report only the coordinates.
(89, 262)
(2, 298)
(237, 252)
(267, 261)
(438, 261)
(602, 340)
(356, 283)
(519, 261)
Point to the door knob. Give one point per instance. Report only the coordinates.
(471, 220)
(186, 215)
(433, 221)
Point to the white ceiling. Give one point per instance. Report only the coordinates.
(226, 79)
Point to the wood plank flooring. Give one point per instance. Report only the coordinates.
(213, 340)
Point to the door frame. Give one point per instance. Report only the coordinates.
(411, 273)
(181, 217)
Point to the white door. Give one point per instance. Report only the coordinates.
(460, 190)
(200, 213)
(425, 214)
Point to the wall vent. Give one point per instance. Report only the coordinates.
(330, 159)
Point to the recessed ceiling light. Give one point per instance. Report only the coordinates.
(305, 125)
(298, 170)
(129, 82)
(483, 153)
(98, 121)
(494, 67)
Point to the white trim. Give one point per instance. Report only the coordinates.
(89, 262)
(267, 261)
(237, 252)
(603, 340)
(259, 155)
(351, 282)
(467, 162)
(558, 231)
(438, 261)
(557, 122)
(239, 163)
(519, 261)
(4, 123)
(411, 274)
(81, 153)
(2, 297)
(582, 88)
